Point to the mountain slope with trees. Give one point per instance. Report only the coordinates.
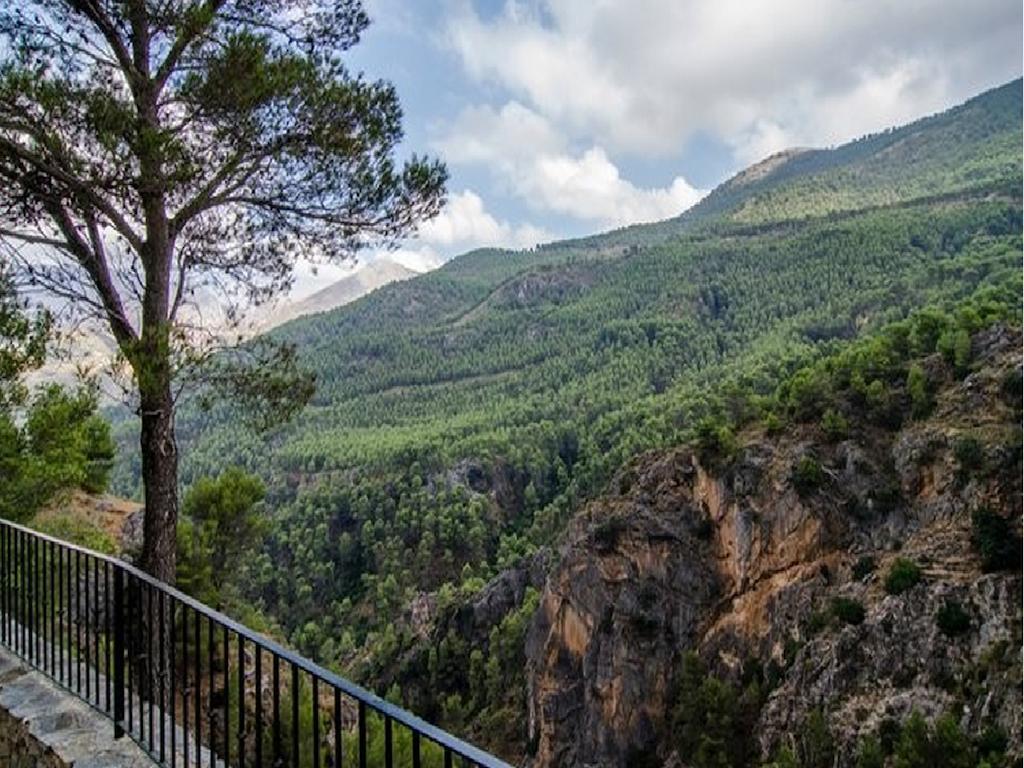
(463, 417)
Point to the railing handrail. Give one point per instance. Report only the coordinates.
(435, 734)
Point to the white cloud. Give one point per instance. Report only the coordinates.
(422, 259)
(310, 277)
(483, 134)
(464, 223)
(530, 159)
(589, 187)
(643, 75)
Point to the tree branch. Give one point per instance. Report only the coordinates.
(92, 11)
(80, 187)
(325, 217)
(201, 199)
(183, 41)
(99, 271)
(30, 239)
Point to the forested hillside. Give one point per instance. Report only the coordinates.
(462, 417)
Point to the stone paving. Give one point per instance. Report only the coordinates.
(98, 726)
(44, 726)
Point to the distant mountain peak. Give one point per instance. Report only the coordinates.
(365, 279)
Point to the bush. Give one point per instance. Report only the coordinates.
(889, 734)
(994, 538)
(816, 743)
(864, 566)
(1013, 388)
(991, 744)
(847, 610)
(952, 619)
(969, 454)
(903, 575)
(921, 402)
(883, 406)
(220, 522)
(808, 476)
(772, 423)
(78, 530)
(711, 719)
(870, 753)
(816, 622)
(60, 444)
(942, 745)
(808, 393)
(886, 495)
(716, 443)
(834, 425)
(782, 758)
(955, 346)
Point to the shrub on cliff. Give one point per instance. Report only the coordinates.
(783, 758)
(903, 574)
(994, 538)
(970, 457)
(712, 719)
(834, 425)
(870, 753)
(941, 745)
(817, 747)
(716, 443)
(952, 619)
(847, 610)
(808, 476)
(59, 442)
(864, 566)
(921, 400)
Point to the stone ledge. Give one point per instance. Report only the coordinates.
(43, 726)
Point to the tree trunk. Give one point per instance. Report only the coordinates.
(160, 477)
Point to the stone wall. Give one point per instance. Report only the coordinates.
(20, 749)
(43, 726)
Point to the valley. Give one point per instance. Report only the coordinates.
(570, 468)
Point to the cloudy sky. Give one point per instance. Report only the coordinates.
(567, 117)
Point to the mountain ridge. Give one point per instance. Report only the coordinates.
(465, 416)
(796, 163)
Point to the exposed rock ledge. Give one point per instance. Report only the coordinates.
(732, 562)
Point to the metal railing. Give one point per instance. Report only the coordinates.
(186, 683)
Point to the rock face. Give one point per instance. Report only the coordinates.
(898, 661)
(734, 563)
(630, 589)
(503, 594)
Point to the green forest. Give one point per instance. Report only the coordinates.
(460, 418)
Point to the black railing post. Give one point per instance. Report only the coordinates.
(118, 653)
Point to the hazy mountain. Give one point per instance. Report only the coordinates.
(364, 280)
(89, 351)
(79, 353)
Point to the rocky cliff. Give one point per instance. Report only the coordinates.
(780, 559)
